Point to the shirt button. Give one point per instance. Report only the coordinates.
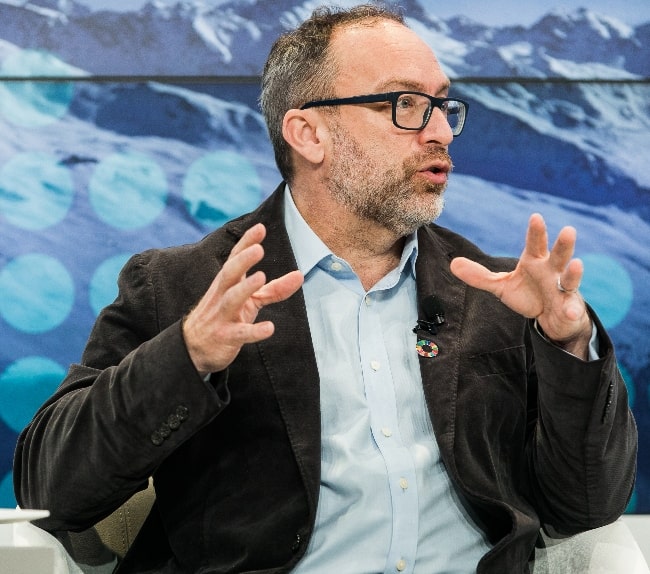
(375, 365)
(401, 566)
(404, 484)
(368, 300)
(336, 266)
(387, 432)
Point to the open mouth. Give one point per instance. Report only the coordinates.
(439, 168)
(437, 173)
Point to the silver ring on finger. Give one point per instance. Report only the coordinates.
(562, 289)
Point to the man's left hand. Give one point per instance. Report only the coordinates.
(544, 286)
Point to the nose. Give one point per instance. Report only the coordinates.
(437, 129)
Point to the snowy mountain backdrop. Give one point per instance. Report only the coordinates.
(150, 135)
(234, 38)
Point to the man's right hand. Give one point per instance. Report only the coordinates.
(224, 319)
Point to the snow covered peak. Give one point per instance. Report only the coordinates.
(197, 37)
(585, 22)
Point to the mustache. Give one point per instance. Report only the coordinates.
(431, 155)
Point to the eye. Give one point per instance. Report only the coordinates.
(450, 108)
(405, 102)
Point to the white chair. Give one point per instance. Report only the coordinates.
(611, 549)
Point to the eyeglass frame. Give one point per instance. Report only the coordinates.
(392, 97)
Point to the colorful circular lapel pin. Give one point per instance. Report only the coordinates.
(426, 348)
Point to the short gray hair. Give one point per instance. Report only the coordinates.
(300, 68)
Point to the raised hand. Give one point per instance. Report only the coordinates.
(224, 319)
(544, 286)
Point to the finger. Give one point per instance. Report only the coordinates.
(261, 294)
(233, 300)
(252, 235)
(563, 248)
(234, 271)
(246, 253)
(221, 304)
(244, 333)
(238, 265)
(476, 275)
(570, 278)
(536, 237)
(260, 331)
(279, 289)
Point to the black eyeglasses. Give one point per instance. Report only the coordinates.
(411, 110)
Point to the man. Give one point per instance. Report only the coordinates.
(367, 392)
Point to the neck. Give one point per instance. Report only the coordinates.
(371, 249)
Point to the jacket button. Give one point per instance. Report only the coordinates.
(296, 544)
(182, 412)
(174, 421)
(156, 438)
(165, 430)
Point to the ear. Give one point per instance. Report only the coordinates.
(302, 129)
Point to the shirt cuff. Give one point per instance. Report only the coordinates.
(594, 346)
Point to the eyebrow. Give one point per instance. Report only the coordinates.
(411, 86)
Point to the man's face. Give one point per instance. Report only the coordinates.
(394, 196)
(391, 176)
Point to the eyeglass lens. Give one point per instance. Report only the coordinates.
(413, 110)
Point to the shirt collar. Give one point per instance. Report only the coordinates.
(309, 250)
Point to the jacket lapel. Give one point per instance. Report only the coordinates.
(288, 355)
(440, 373)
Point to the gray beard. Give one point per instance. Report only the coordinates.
(391, 198)
(390, 207)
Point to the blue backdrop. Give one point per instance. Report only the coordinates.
(125, 131)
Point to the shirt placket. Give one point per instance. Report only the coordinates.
(380, 394)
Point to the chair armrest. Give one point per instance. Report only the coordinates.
(98, 549)
(118, 530)
(612, 549)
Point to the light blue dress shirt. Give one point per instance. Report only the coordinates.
(386, 502)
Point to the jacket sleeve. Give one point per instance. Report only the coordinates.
(118, 414)
(582, 451)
